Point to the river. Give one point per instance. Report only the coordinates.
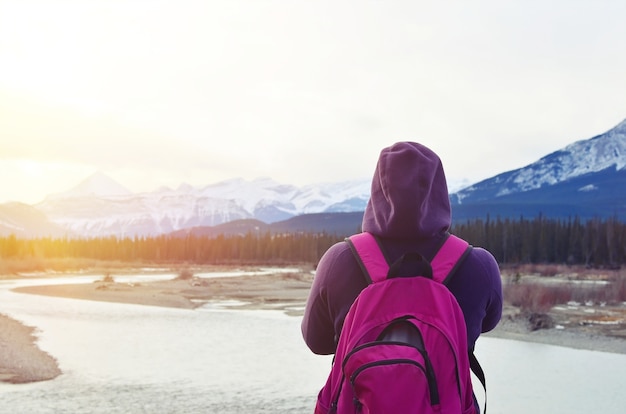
(120, 358)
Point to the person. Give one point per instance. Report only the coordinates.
(409, 211)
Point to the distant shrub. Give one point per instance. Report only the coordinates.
(535, 297)
(620, 289)
(538, 321)
(550, 270)
(615, 292)
(108, 278)
(541, 297)
(185, 274)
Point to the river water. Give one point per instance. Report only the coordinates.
(120, 358)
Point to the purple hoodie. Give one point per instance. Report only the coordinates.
(409, 210)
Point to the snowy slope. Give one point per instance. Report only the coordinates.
(600, 153)
(100, 207)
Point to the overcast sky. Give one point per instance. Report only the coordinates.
(159, 93)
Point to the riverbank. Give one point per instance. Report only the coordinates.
(567, 329)
(286, 291)
(21, 361)
(599, 328)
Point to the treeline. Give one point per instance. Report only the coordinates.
(247, 249)
(598, 243)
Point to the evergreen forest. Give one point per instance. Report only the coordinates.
(593, 243)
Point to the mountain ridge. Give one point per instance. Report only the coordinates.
(580, 179)
(581, 157)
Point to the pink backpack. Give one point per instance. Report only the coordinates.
(403, 345)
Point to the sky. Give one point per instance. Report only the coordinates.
(159, 93)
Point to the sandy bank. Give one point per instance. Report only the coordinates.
(21, 360)
(262, 291)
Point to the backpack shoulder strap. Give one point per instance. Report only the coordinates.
(480, 374)
(375, 266)
(369, 256)
(448, 257)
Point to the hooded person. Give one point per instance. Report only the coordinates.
(408, 211)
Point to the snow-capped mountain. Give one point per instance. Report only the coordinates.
(97, 185)
(604, 151)
(586, 178)
(100, 207)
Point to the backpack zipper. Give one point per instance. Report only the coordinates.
(434, 393)
(383, 363)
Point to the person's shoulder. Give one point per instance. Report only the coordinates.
(481, 260)
(337, 253)
(337, 249)
(338, 270)
(482, 254)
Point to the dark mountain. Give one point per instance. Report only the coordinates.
(585, 179)
(340, 224)
(232, 228)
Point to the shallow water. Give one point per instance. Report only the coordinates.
(120, 358)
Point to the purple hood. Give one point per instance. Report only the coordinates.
(409, 198)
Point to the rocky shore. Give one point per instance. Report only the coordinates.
(599, 328)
